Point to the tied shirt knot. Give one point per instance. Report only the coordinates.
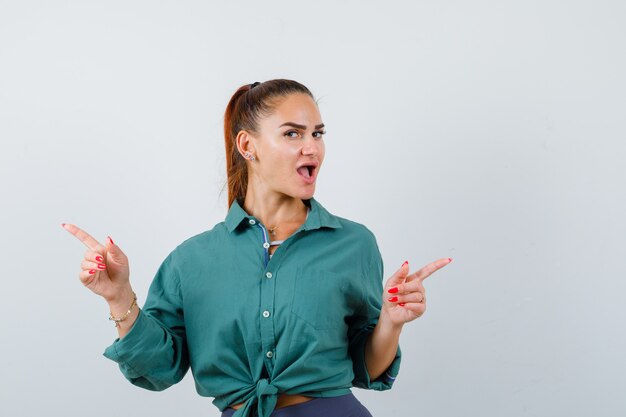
(266, 396)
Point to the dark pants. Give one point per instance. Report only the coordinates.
(342, 406)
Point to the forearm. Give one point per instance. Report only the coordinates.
(152, 355)
(381, 346)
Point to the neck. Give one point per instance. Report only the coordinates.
(274, 209)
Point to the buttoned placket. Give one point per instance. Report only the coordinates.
(268, 281)
(268, 340)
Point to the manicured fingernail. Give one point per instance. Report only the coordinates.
(101, 266)
(62, 224)
(109, 237)
(92, 271)
(400, 304)
(392, 299)
(405, 262)
(449, 259)
(392, 290)
(99, 258)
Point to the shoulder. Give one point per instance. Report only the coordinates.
(356, 229)
(358, 237)
(199, 244)
(352, 234)
(340, 223)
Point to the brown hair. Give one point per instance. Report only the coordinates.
(250, 103)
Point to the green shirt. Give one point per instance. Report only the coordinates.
(250, 326)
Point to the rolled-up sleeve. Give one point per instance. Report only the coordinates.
(153, 354)
(363, 325)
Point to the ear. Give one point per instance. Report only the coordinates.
(245, 143)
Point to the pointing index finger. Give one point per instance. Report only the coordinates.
(429, 269)
(84, 237)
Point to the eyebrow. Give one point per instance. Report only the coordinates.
(303, 127)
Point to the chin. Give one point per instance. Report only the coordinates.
(304, 194)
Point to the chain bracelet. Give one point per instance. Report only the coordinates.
(125, 316)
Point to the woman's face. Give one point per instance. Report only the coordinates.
(289, 148)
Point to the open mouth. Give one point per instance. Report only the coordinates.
(307, 172)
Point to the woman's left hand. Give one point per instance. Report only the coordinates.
(404, 296)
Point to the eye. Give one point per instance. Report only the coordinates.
(319, 132)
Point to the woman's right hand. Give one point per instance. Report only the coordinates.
(105, 269)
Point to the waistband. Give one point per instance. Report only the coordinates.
(346, 404)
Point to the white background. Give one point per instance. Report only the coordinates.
(488, 131)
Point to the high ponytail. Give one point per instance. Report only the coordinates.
(250, 103)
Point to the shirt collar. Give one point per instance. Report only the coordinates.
(318, 216)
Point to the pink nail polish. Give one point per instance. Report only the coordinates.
(405, 262)
(449, 259)
(400, 304)
(109, 237)
(99, 258)
(392, 299)
(92, 271)
(392, 290)
(101, 266)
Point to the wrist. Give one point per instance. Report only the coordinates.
(119, 319)
(386, 323)
(121, 299)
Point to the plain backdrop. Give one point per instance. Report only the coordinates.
(488, 131)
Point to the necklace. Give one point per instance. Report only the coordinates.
(273, 229)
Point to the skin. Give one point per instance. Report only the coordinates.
(274, 195)
(275, 190)
(409, 302)
(111, 280)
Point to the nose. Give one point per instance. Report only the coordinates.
(311, 146)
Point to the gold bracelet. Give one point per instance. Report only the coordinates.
(117, 321)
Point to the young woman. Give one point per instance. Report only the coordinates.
(278, 310)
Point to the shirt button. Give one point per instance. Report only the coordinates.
(252, 221)
(266, 245)
(269, 354)
(266, 313)
(268, 274)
